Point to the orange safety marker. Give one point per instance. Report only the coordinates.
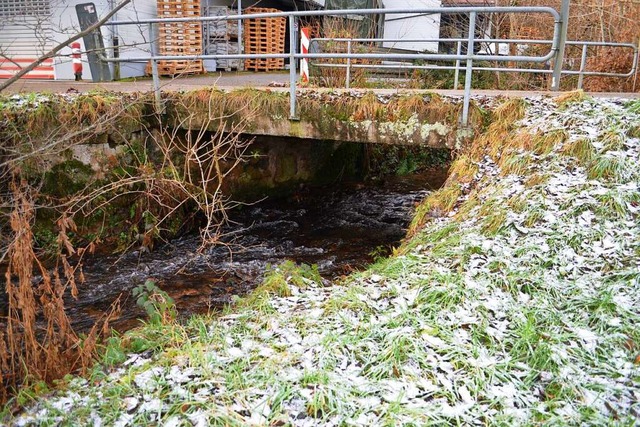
(304, 62)
(76, 60)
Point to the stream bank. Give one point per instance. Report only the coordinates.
(514, 303)
(340, 230)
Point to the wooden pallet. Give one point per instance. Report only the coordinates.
(175, 68)
(264, 64)
(179, 38)
(264, 35)
(178, 7)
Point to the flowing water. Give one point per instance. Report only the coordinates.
(338, 230)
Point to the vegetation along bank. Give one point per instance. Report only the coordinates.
(515, 300)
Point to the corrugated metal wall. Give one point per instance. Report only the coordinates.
(25, 34)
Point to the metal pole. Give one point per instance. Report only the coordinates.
(559, 59)
(635, 63)
(348, 65)
(456, 76)
(154, 71)
(467, 78)
(292, 68)
(115, 41)
(583, 64)
(240, 41)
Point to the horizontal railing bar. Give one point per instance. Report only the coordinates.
(453, 67)
(453, 40)
(342, 12)
(342, 39)
(389, 56)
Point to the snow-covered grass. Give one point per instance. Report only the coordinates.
(515, 302)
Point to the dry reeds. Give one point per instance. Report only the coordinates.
(38, 342)
(155, 184)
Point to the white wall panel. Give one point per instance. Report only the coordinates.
(411, 26)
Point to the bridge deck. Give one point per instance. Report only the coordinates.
(234, 80)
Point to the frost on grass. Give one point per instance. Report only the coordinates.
(531, 320)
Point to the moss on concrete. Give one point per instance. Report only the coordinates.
(66, 178)
(358, 117)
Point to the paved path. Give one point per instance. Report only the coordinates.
(235, 80)
(223, 80)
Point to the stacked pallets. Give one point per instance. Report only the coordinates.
(179, 38)
(264, 35)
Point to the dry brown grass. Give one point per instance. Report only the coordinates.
(592, 20)
(336, 28)
(368, 108)
(463, 169)
(581, 149)
(183, 169)
(570, 98)
(436, 204)
(503, 142)
(38, 342)
(499, 133)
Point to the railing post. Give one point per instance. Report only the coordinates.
(636, 56)
(348, 78)
(559, 58)
(240, 39)
(456, 76)
(292, 67)
(467, 80)
(154, 72)
(583, 65)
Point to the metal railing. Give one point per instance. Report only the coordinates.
(581, 73)
(556, 49)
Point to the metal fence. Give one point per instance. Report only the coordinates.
(556, 48)
(351, 43)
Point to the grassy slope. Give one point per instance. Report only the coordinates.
(516, 301)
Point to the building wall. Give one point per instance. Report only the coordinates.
(132, 39)
(24, 36)
(411, 26)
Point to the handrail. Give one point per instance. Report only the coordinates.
(581, 72)
(342, 12)
(557, 43)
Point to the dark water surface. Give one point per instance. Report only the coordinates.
(336, 229)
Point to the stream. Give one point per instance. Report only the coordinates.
(339, 230)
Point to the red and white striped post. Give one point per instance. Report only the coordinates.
(76, 60)
(304, 62)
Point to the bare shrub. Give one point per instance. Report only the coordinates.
(590, 20)
(38, 342)
(170, 174)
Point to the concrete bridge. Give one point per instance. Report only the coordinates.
(399, 117)
(104, 135)
(389, 116)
